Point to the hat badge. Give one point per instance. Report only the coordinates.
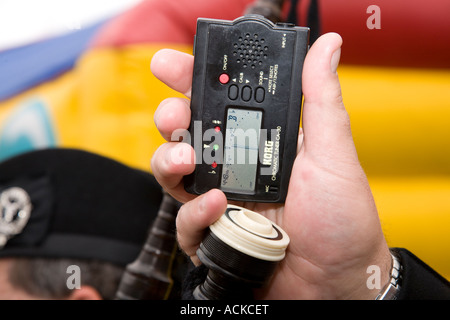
(15, 210)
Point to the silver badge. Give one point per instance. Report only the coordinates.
(15, 210)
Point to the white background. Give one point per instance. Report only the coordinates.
(25, 21)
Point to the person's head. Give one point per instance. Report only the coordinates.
(70, 222)
(56, 278)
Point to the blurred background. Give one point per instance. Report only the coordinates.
(24, 21)
(75, 74)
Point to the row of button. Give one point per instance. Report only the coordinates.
(246, 93)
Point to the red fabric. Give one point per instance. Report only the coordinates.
(166, 21)
(413, 33)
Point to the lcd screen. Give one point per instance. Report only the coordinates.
(241, 150)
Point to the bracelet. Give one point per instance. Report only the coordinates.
(391, 290)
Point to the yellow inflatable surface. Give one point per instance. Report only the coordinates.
(104, 105)
(401, 126)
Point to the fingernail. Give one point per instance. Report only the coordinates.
(202, 204)
(155, 118)
(180, 154)
(158, 111)
(335, 60)
(300, 139)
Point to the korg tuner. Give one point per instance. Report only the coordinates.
(245, 107)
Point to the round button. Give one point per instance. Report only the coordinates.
(224, 78)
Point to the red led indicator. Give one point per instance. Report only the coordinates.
(224, 78)
(217, 129)
(214, 165)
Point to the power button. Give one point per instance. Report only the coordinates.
(224, 78)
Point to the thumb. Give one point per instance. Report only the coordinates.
(195, 216)
(326, 125)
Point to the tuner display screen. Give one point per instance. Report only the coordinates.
(241, 150)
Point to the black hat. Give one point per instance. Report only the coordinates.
(66, 203)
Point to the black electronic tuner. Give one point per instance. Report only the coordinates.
(245, 106)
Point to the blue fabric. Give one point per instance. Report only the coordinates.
(25, 67)
(28, 128)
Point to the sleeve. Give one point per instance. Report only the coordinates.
(195, 276)
(419, 281)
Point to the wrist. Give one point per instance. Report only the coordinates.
(373, 277)
(391, 290)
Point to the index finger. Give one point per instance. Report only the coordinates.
(174, 68)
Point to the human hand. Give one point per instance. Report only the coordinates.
(329, 213)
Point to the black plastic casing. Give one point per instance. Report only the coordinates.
(247, 64)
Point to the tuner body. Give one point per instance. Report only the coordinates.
(245, 107)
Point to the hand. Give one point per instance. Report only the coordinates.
(329, 213)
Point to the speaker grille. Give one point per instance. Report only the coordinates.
(250, 50)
